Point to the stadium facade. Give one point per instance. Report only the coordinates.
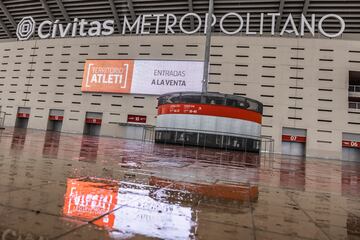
(301, 59)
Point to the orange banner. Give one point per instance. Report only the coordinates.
(108, 76)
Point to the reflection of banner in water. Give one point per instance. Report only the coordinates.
(152, 216)
(88, 199)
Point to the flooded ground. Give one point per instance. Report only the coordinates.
(79, 187)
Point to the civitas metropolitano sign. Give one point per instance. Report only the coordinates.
(150, 24)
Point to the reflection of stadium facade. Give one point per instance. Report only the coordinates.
(309, 86)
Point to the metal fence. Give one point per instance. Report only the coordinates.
(354, 105)
(266, 143)
(354, 88)
(148, 133)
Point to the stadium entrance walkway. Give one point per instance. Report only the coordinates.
(69, 186)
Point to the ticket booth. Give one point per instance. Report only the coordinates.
(294, 141)
(93, 121)
(212, 120)
(22, 117)
(351, 147)
(55, 121)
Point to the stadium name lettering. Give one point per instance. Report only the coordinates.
(150, 24)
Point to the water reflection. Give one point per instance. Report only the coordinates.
(89, 198)
(238, 192)
(145, 213)
(350, 179)
(208, 155)
(164, 209)
(18, 139)
(292, 174)
(170, 192)
(353, 225)
(89, 149)
(51, 144)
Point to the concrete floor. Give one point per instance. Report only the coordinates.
(77, 187)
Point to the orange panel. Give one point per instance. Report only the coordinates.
(108, 76)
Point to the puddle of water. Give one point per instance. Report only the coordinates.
(81, 187)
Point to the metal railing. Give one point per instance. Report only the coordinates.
(354, 88)
(148, 134)
(266, 143)
(2, 119)
(354, 105)
(231, 134)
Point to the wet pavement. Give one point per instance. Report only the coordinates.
(67, 186)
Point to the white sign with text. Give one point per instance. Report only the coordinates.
(160, 77)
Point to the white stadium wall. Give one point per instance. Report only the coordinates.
(209, 124)
(302, 82)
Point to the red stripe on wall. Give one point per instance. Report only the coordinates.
(350, 144)
(56, 118)
(23, 115)
(211, 110)
(94, 121)
(136, 119)
(289, 138)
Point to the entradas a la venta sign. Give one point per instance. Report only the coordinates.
(150, 24)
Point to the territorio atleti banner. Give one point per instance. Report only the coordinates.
(142, 76)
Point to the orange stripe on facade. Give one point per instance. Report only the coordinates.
(211, 110)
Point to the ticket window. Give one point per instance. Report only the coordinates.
(351, 147)
(22, 117)
(55, 121)
(294, 142)
(93, 123)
